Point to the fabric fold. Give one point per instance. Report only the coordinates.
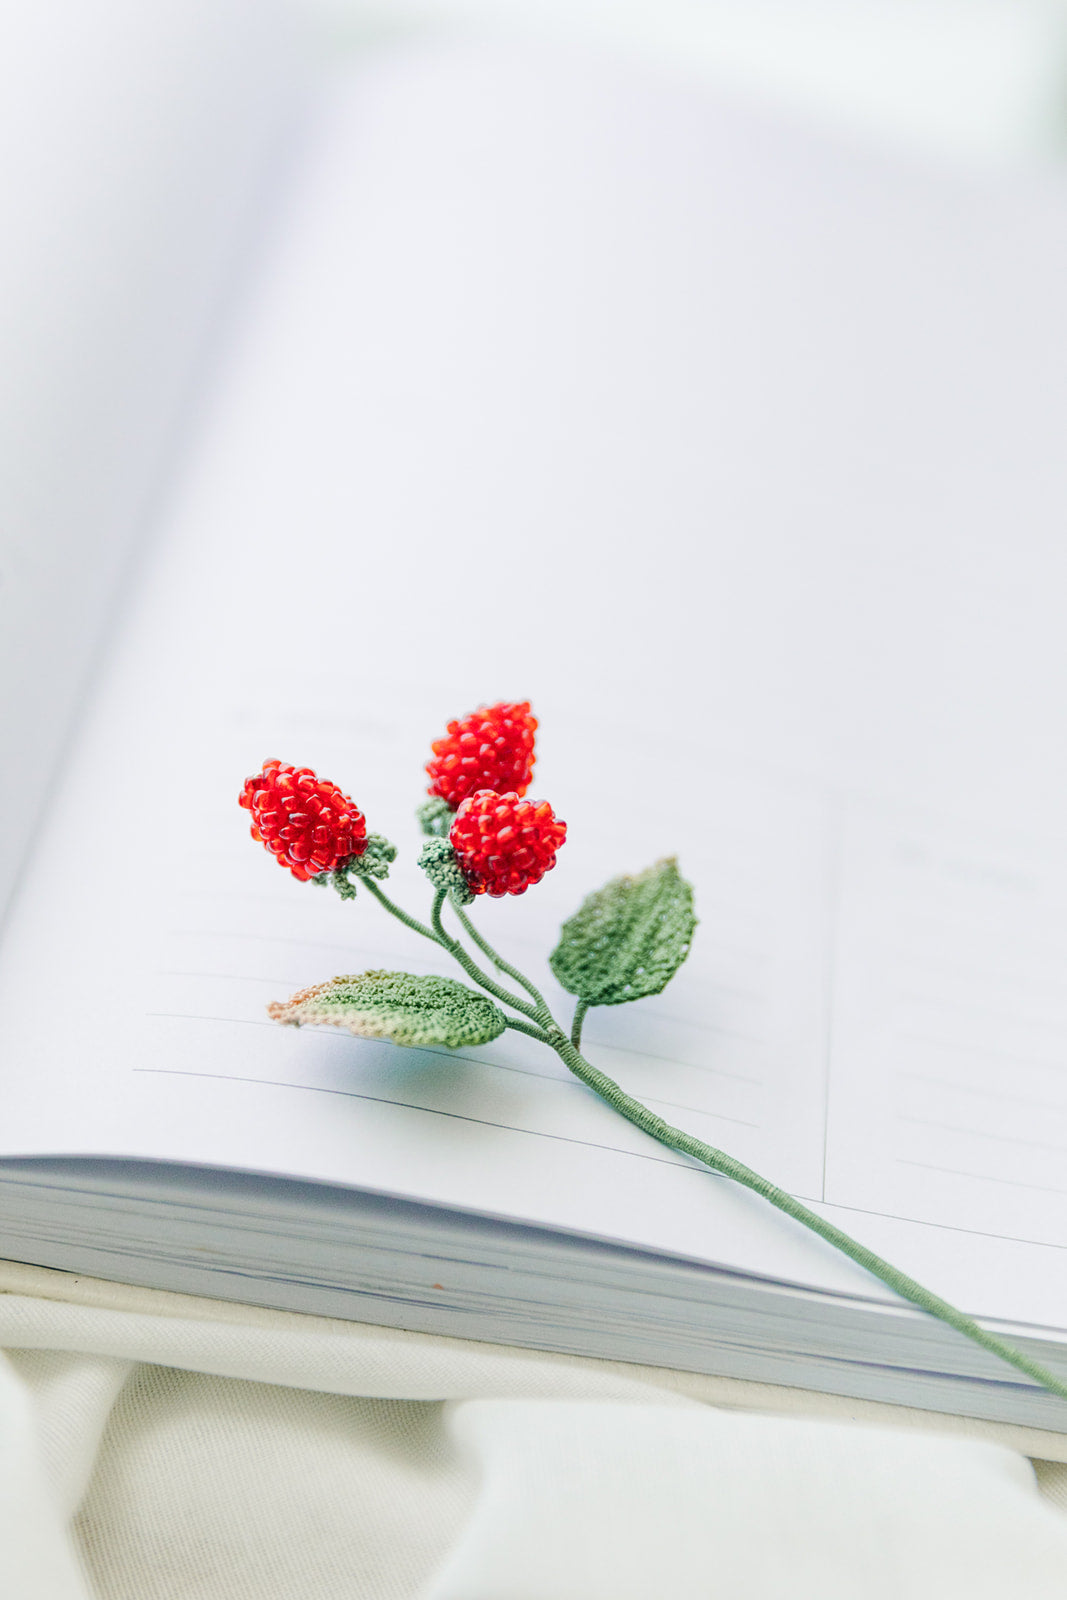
(311, 1353)
(600, 1501)
(37, 1559)
(220, 1452)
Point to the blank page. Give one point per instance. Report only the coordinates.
(136, 144)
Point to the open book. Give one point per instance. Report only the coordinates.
(740, 455)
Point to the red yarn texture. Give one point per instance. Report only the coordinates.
(503, 843)
(493, 749)
(304, 821)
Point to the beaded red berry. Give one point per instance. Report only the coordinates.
(504, 843)
(493, 749)
(306, 822)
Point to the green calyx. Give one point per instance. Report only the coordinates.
(378, 854)
(438, 861)
(628, 939)
(399, 1006)
(435, 816)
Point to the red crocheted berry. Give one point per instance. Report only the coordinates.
(493, 749)
(304, 821)
(503, 844)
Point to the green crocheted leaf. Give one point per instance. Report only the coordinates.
(628, 939)
(397, 1006)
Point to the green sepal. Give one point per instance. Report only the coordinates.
(628, 939)
(438, 861)
(435, 816)
(378, 854)
(398, 1006)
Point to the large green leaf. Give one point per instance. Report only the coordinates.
(397, 1006)
(628, 939)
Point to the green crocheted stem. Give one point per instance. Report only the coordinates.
(719, 1161)
(503, 966)
(440, 936)
(576, 1022)
(396, 911)
(473, 970)
(542, 1026)
(530, 1028)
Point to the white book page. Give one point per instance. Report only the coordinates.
(137, 147)
(549, 391)
(950, 1024)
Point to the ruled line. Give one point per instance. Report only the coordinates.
(981, 1177)
(454, 1116)
(453, 1055)
(979, 1133)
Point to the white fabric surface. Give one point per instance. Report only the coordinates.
(155, 1445)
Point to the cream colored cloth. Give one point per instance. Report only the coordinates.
(159, 1446)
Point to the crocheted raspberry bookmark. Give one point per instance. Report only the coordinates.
(625, 942)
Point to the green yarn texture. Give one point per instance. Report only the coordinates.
(438, 860)
(398, 1006)
(628, 939)
(378, 855)
(435, 816)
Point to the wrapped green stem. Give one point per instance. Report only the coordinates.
(537, 1022)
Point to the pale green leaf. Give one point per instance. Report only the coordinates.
(397, 1006)
(628, 939)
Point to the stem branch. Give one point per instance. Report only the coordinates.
(528, 1027)
(396, 911)
(471, 967)
(501, 965)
